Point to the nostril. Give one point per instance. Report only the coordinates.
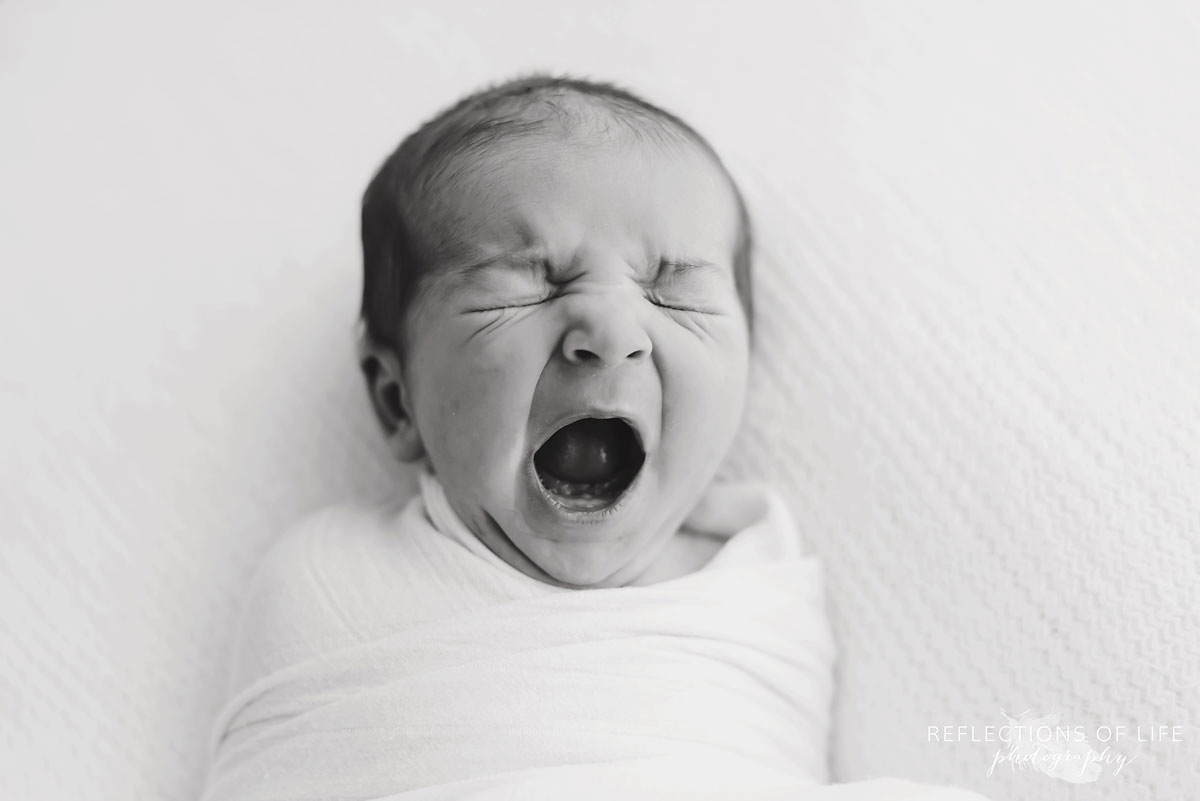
(604, 346)
(584, 355)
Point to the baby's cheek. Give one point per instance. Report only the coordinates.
(704, 386)
(485, 393)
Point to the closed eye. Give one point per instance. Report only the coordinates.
(672, 307)
(506, 306)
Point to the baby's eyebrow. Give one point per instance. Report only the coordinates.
(525, 259)
(534, 260)
(684, 265)
(674, 267)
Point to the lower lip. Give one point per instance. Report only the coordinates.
(585, 516)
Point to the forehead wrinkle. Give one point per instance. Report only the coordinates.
(524, 259)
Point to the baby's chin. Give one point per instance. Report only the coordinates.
(592, 564)
(611, 547)
(588, 538)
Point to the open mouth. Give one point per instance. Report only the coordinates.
(587, 464)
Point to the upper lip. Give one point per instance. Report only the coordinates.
(635, 420)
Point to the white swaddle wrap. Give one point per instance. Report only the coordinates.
(389, 654)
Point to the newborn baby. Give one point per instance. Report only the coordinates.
(556, 305)
(556, 327)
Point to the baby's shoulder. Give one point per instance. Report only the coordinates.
(292, 549)
(303, 597)
(752, 515)
(328, 532)
(302, 558)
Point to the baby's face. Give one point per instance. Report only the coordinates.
(593, 283)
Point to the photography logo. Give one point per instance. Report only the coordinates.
(1042, 743)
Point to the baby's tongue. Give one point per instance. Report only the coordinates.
(586, 452)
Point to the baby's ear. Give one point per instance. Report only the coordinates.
(389, 396)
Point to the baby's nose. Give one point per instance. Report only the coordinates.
(605, 335)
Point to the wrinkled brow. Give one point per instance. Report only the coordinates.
(684, 265)
(527, 259)
(534, 260)
(675, 268)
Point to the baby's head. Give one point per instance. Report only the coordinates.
(556, 316)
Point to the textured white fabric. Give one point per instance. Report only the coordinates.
(976, 379)
(386, 651)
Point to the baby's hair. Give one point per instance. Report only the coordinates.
(401, 237)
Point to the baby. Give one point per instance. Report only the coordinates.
(556, 326)
(557, 306)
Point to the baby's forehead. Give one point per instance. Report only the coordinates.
(542, 191)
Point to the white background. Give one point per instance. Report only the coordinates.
(978, 375)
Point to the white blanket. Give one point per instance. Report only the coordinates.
(387, 653)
